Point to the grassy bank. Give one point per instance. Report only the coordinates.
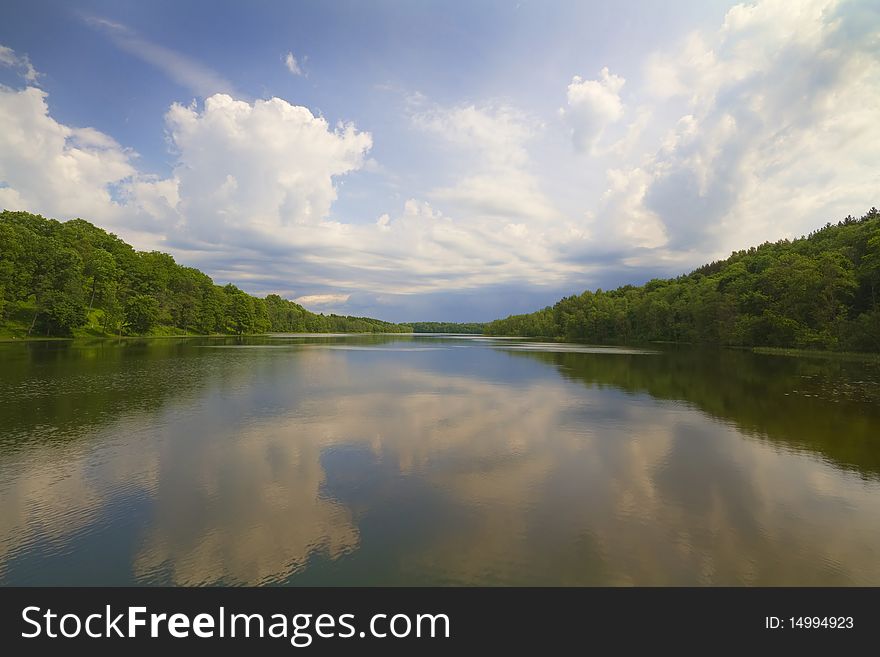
(16, 328)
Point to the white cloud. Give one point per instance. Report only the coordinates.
(312, 300)
(511, 194)
(773, 132)
(187, 72)
(257, 170)
(692, 71)
(763, 128)
(261, 175)
(62, 171)
(591, 106)
(21, 63)
(633, 224)
(52, 168)
(292, 64)
(495, 133)
(490, 144)
(250, 200)
(383, 222)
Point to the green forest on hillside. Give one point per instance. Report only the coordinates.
(71, 278)
(821, 291)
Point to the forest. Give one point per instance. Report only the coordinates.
(820, 291)
(472, 328)
(62, 279)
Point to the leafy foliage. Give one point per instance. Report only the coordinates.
(73, 273)
(473, 328)
(820, 291)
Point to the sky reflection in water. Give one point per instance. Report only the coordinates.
(398, 460)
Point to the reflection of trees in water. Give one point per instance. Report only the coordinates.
(231, 500)
(531, 479)
(830, 407)
(61, 391)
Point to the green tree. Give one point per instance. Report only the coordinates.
(240, 313)
(817, 291)
(141, 313)
(869, 268)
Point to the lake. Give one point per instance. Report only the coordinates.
(434, 460)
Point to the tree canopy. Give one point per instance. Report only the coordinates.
(66, 278)
(473, 328)
(820, 291)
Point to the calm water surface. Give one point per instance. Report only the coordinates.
(434, 460)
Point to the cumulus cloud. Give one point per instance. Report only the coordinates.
(54, 168)
(292, 64)
(64, 171)
(251, 171)
(775, 132)
(20, 63)
(250, 200)
(591, 106)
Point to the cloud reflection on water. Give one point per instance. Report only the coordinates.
(333, 466)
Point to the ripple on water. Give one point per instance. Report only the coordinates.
(837, 389)
(575, 348)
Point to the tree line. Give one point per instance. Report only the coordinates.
(66, 278)
(821, 291)
(472, 328)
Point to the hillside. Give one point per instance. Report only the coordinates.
(821, 291)
(61, 279)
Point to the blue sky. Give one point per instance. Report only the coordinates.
(441, 161)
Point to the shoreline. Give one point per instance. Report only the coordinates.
(81, 338)
(768, 351)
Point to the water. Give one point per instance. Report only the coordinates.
(399, 460)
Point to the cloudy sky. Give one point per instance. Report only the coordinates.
(441, 160)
